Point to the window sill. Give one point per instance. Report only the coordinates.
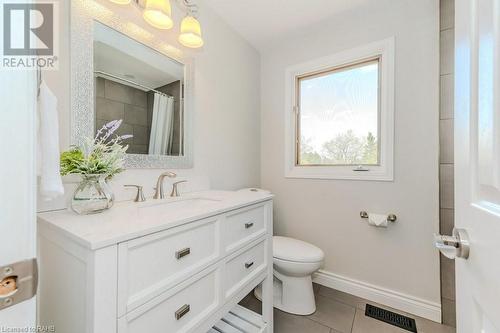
(340, 173)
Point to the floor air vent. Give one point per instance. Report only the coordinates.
(390, 317)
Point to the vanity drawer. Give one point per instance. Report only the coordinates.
(243, 226)
(177, 310)
(244, 267)
(150, 265)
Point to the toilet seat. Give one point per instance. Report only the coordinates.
(294, 250)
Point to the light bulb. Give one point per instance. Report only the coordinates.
(190, 32)
(158, 13)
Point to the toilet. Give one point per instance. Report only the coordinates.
(294, 262)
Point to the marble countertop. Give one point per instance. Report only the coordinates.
(128, 220)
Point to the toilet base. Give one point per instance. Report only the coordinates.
(294, 295)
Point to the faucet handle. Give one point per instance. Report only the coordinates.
(140, 193)
(169, 174)
(175, 192)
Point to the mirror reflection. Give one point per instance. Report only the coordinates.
(142, 87)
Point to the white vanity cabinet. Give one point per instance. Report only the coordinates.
(140, 268)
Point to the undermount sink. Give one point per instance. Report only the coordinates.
(174, 205)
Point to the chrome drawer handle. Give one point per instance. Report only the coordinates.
(182, 311)
(182, 253)
(248, 265)
(248, 225)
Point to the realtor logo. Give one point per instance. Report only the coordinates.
(35, 25)
(29, 35)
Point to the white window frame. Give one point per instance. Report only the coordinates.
(383, 49)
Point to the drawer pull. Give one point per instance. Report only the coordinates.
(248, 265)
(182, 311)
(182, 253)
(248, 225)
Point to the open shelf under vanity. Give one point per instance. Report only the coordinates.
(240, 320)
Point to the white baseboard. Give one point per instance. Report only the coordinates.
(393, 299)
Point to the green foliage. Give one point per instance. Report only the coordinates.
(307, 154)
(96, 158)
(102, 155)
(71, 161)
(370, 150)
(344, 149)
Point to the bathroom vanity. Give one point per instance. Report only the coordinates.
(170, 265)
(165, 265)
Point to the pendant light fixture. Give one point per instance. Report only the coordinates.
(158, 13)
(190, 32)
(121, 2)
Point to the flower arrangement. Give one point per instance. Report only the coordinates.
(102, 155)
(97, 160)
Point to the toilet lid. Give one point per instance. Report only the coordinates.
(290, 249)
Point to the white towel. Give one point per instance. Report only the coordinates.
(48, 155)
(377, 220)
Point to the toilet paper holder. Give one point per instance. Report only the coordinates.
(390, 217)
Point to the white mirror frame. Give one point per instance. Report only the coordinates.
(83, 15)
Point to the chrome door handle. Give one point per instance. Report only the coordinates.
(18, 282)
(456, 246)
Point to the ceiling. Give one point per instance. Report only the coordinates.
(263, 21)
(109, 60)
(120, 55)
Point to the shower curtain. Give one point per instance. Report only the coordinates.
(162, 126)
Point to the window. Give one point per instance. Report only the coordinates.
(339, 115)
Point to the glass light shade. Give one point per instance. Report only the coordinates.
(158, 13)
(190, 32)
(121, 2)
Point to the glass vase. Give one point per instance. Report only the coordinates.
(93, 195)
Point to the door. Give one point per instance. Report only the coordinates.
(17, 186)
(477, 163)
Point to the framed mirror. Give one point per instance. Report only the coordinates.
(123, 73)
(143, 88)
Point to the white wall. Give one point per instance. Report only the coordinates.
(228, 127)
(227, 119)
(326, 212)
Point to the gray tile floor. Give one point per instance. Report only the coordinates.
(338, 312)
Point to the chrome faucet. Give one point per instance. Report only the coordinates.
(160, 194)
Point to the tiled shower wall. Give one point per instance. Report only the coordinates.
(446, 186)
(118, 101)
